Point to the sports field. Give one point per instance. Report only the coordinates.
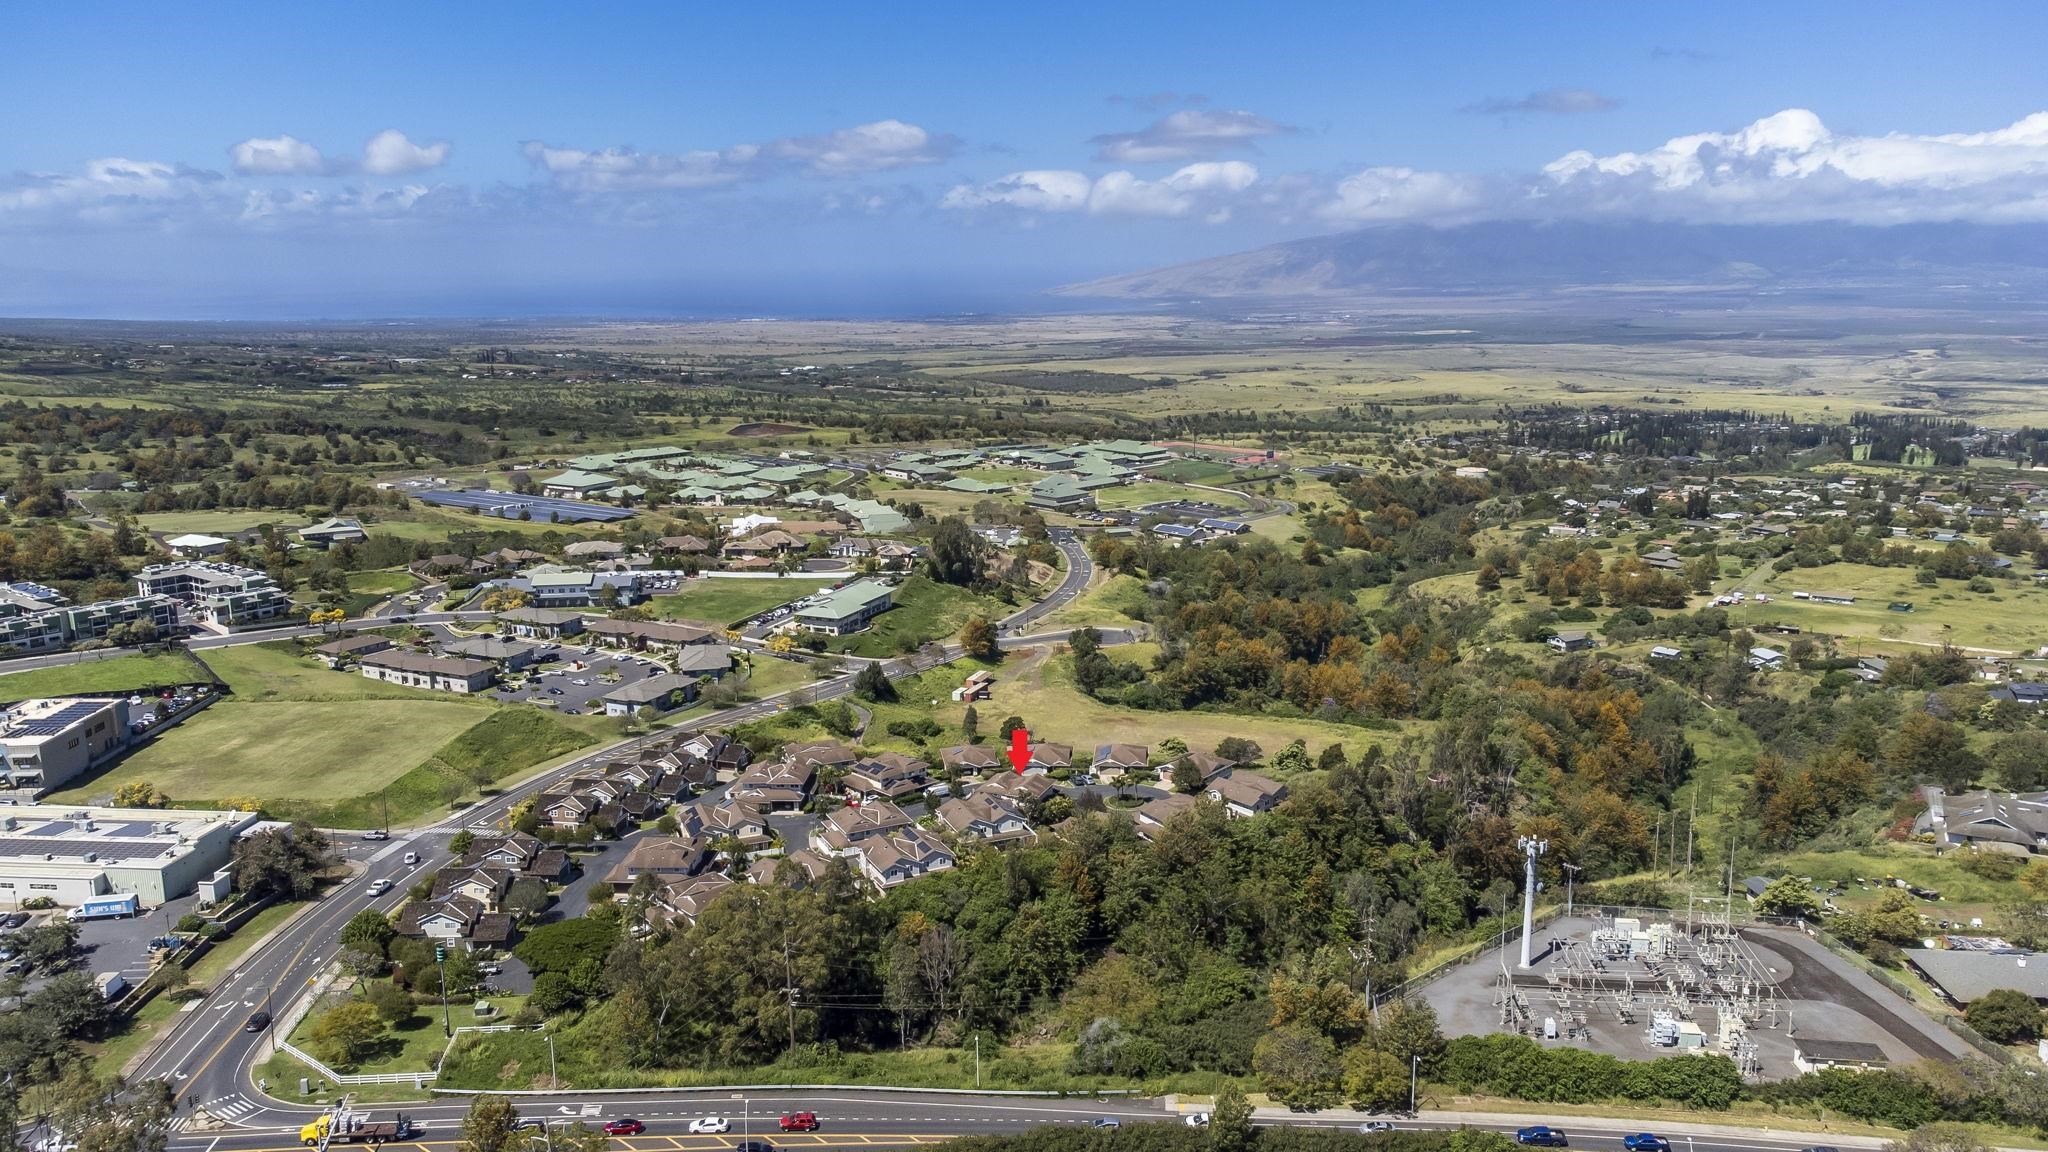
(729, 601)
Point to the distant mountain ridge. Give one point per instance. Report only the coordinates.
(1512, 257)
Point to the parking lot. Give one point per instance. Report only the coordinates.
(579, 690)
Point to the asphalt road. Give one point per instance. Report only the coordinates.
(207, 1058)
(851, 1118)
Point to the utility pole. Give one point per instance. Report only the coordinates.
(1414, 1067)
(441, 958)
(1571, 875)
(789, 988)
(1691, 822)
(977, 1061)
(1531, 848)
(1361, 955)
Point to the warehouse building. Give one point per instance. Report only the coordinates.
(46, 744)
(71, 854)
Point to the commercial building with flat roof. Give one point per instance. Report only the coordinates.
(71, 854)
(46, 744)
(227, 594)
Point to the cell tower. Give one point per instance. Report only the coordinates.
(1531, 848)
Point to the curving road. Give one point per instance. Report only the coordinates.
(207, 1056)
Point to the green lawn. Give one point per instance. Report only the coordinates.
(1038, 686)
(725, 602)
(385, 583)
(295, 749)
(1152, 492)
(221, 523)
(1106, 605)
(2011, 618)
(413, 1045)
(925, 610)
(335, 747)
(117, 673)
(277, 671)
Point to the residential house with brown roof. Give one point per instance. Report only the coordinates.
(1208, 764)
(886, 776)
(821, 754)
(667, 858)
(799, 869)
(682, 901)
(1245, 793)
(891, 859)
(484, 883)
(436, 673)
(684, 545)
(989, 819)
(777, 786)
(1048, 756)
(736, 819)
(1117, 759)
(1149, 818)
(970, 759)
(1022, 788)
(841, 831)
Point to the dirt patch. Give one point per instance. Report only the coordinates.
(764, 428)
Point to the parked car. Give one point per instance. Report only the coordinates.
(624, 1126)
(1646, 1142)
(714, 1125)
(800, 1122)
(1541, 1136)
(257, 1023)
(376, 834)
(753, 1146)
(1196, 1119)
(13, 920)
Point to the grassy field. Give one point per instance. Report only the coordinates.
(414, 1044)
(116, 673)
(334, 746)
(299, 749)
(726, 602)
(1963, 893)
(924, 611)
(2013, 618)
(1153, 491)
(1037, 685)
(276, 671)
(386, 583)
(1106, 604)
(222, 523)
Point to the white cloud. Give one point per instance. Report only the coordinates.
(875, 147)
(1790, 166)
(1186, 134)
(1206, 185)
(1389, 193)
(392, 153)
(1035, 191)
(864, 148)
(277, 156)
(1175, 195)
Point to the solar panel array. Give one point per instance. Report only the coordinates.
(108, 851)
(55, 722)
(508, 505)
(39, 591)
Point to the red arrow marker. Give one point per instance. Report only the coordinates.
(1020, 749)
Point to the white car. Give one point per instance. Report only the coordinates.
(379, 887)
(711, 1124)
(1196, 1120)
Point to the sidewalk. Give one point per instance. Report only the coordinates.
(1351, 1118)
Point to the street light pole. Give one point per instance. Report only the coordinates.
(1414, 1067)
(557, 1080)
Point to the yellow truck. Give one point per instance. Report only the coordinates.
(346, 1127)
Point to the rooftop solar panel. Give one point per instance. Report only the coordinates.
(56, 721)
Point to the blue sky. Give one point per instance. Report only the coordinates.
(383, 159)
